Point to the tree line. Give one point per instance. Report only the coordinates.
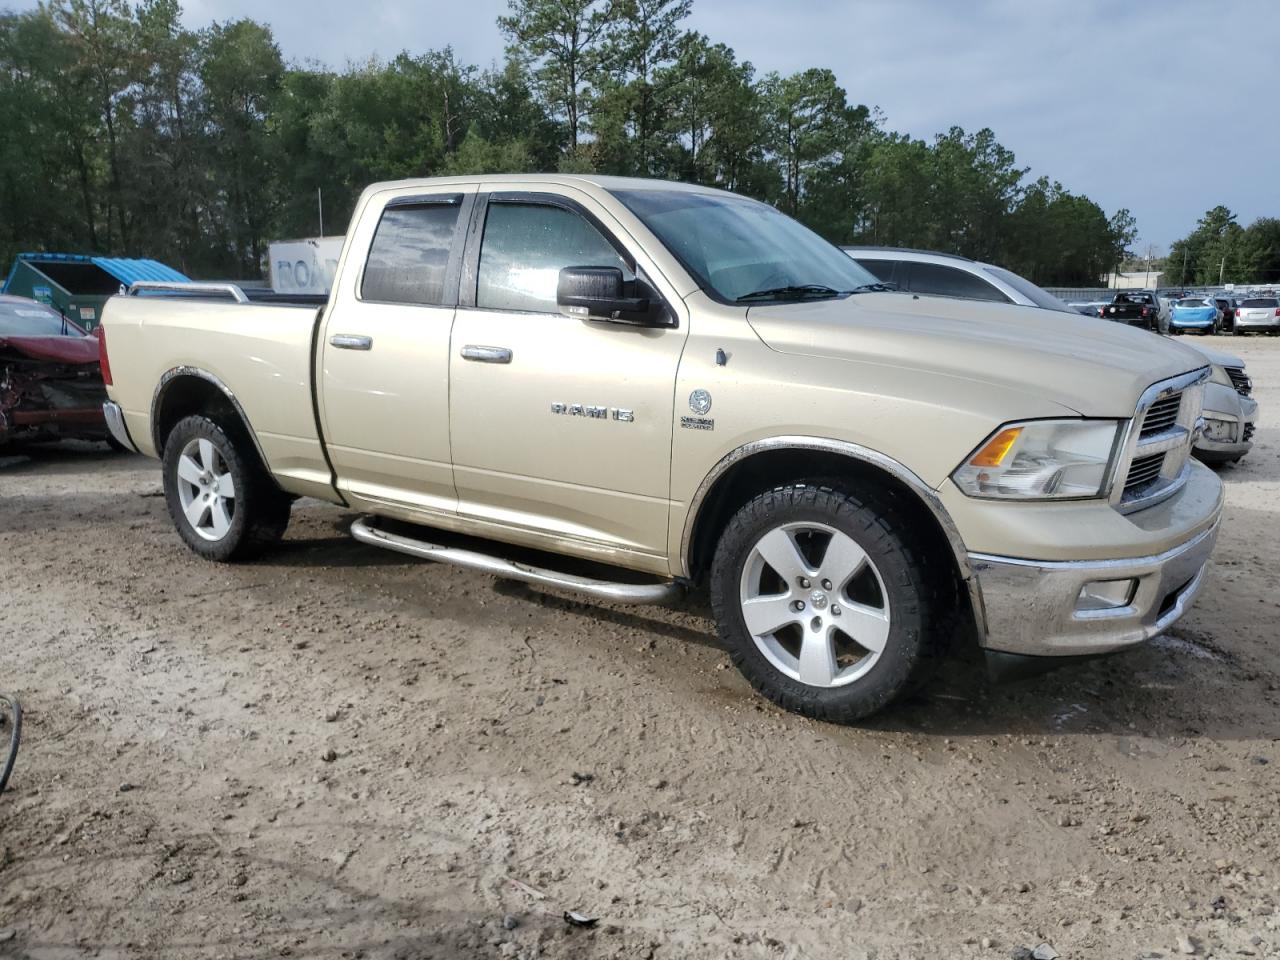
(1219, 250)
(123, 132)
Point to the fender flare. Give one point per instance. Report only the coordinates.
(175, 373)
(927, 495)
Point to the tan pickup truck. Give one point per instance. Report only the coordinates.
(630, 387)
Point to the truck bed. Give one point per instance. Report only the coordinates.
(258, 354)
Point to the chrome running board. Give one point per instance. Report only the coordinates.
(640, 593)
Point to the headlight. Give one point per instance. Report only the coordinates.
(1220, 376)
(1042, 460)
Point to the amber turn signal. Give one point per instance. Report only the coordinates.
(996, 449)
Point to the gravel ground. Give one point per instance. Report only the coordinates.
(341, 752)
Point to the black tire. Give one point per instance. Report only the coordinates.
(261, 511)
(10, 736)
(916, 594)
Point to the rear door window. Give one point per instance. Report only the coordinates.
(409, 257)
(933, 279)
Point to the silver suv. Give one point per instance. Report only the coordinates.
(950, 275)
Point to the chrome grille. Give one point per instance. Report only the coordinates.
(1240, 380)
(1161, 415)
(1153, 460)
(1143, 472)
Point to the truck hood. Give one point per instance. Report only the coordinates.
(1095, 367)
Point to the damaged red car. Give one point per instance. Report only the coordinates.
(50, 382)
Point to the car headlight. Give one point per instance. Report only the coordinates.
(1042, 460)
(1220, 376)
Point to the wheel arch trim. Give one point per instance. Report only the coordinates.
(173, 374)
(853, 451)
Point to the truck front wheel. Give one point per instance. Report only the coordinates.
(222, 502)
(824, 601)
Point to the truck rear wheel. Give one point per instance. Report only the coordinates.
(220, 498)
(824, 601)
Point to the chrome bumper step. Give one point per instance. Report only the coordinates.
(638, 593)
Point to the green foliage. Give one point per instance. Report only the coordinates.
(563, 42)
(1220, 250)
(478, 155)
(714, 122)
(129, 134)
(1259, 258)
(633, 91)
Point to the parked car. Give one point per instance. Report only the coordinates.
(50, 384)
(1088, 308)
(691, 388)
(1230, 413)
(1258, 315)
(1226, 312)
(1200, 314)
(1138, 308)
(950, 275)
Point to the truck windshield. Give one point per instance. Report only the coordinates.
(735, 247)
(33, 320)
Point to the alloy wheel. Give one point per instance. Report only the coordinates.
(815, 604)
(206, 489)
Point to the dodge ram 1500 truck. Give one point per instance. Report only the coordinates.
(629, 387)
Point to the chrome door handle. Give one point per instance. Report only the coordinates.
(486, 354)
(350, 341)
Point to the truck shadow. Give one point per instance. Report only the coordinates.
(1183, 684)
(672, 622)
(1180, 685)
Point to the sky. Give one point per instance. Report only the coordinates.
(1166, 108)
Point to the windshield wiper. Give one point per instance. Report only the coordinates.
(874, 288)
(797, 291)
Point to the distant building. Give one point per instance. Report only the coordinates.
(1139, 280)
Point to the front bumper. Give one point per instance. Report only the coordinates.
(1228, 434)
(1031, 607)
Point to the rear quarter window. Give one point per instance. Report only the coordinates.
(886, 271)
(933, 279)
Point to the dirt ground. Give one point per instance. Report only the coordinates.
(341, 752)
